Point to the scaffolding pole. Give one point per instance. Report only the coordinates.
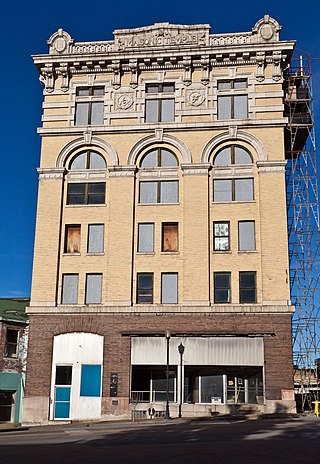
(303, 228)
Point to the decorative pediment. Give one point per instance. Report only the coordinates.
(162, 35)
(60, 42)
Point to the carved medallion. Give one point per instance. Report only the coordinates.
(196, 97)
(124, 101)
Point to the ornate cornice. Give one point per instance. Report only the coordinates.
(51, 173)
(195, 169)
(164, 46)
(271, 166)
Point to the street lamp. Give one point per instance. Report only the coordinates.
(167, 414)
(181, 351)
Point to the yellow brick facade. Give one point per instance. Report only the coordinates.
(214, 79)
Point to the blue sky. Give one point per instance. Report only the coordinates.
(25, 27)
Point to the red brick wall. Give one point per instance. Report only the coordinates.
(278, 356)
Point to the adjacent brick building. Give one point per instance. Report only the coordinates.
(161, 221)
(13, 356)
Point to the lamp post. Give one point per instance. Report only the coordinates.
(167, 335)
(181, 351)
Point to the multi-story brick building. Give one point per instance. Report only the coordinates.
(13, 356)
(161, 221)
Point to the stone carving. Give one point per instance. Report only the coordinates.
(260, 66)
(276, 71)
(162, 35)
(47, 77)
(124, 101)
(60, 42)
(63, 71)
(267, 28)
(196, 97)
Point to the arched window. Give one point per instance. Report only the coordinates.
(232, 154)
(158, 157)
(87, 159)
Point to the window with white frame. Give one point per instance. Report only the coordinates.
(146, 237)
(169, 288)
(89, 106)
(93, 288)
(232, 99)
(221, 236)
(69, 288)
(246, 236)
(95, 238)
(159, 102)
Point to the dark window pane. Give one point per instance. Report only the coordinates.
(63, 375)
(76, 188)
(145, 288)
(247, 291)
(152, 88)
(96, 188)
(222, 287)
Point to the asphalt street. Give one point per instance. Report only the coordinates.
(236, 442)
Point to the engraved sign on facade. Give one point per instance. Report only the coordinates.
(162, 37)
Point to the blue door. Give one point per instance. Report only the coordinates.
(62, 402)
(62, 392)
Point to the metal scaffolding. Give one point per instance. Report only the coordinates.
(303, 228)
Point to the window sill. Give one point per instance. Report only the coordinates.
(100, 253)
(71, 254)
(148, 253)
(232, 202)
(170, 253)
(247, 251)
(219, 252)
(81, 206)
(158, 204)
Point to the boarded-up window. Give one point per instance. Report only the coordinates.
(95, 238)
(69, 288)
(93, 288)
(90, 380)
(170, 237)
(246, 235)
(72, 239)
(169, 288)
(146, 238)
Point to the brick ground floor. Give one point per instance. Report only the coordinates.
(107, 365)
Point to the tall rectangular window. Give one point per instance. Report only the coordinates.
(170, 241)
(95, 238)
(233, 190)
(159, 103)
(70, 288)
(145, 288)
(222, 287)
(246, 234)
(93, 288)
(11, 347)
(159, 192)
(72, 239)
(221, 236)
(232, 104)
(146, 238)
(86, 193)
(89, 106)
(169, 288)
(247, 287)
